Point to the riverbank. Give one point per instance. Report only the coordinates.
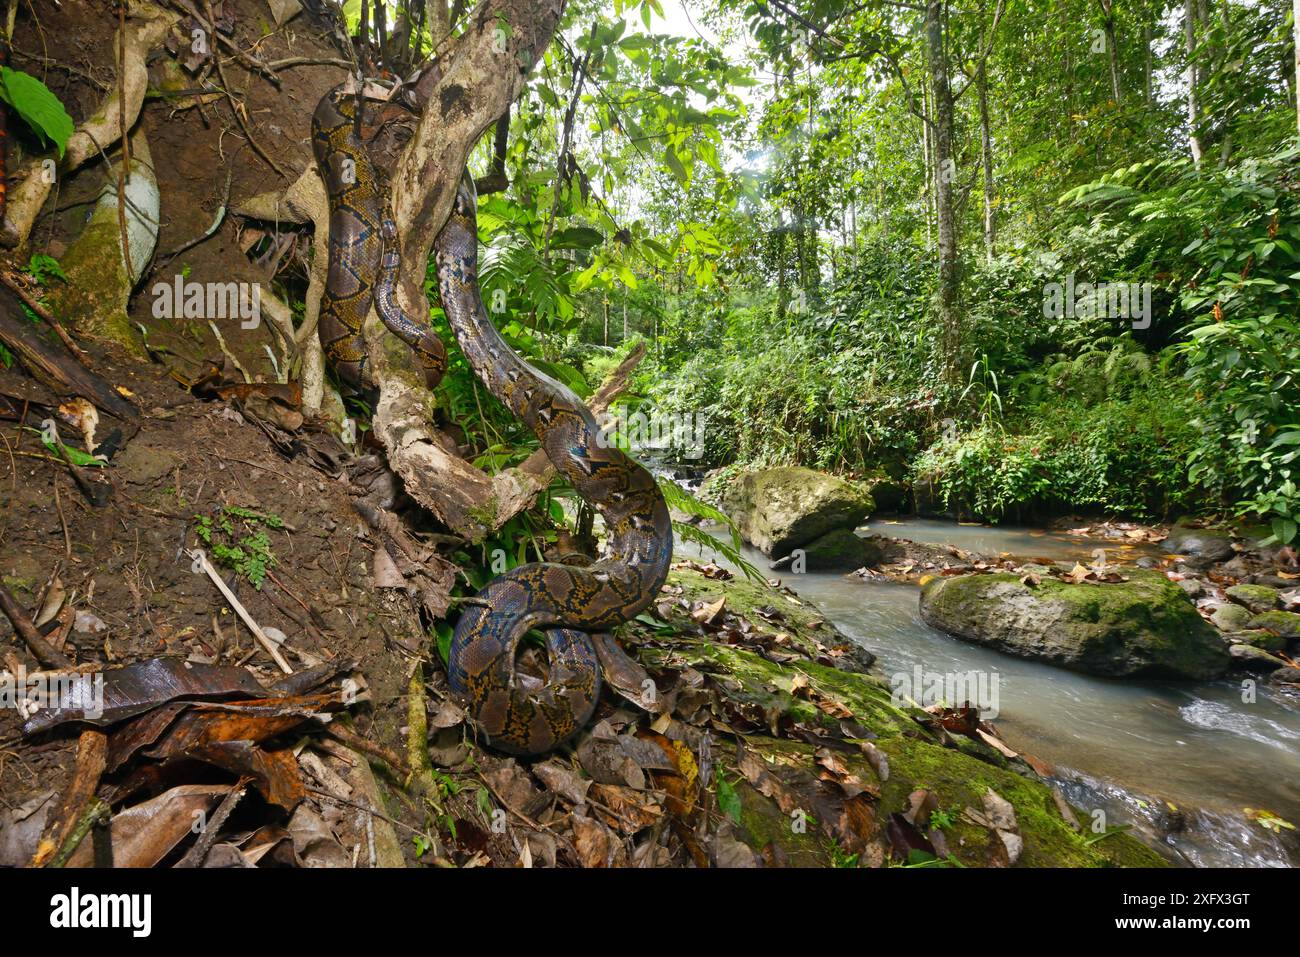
(1127, 748)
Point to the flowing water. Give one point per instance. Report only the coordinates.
(1129, 748)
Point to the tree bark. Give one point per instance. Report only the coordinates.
(481, 76)
(1190, 15)
(944, 169)
(986, 159)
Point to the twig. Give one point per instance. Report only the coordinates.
(271, 647)
(98, 809)
(195, 855)
(63, 519)
(46, 654)
(225, 350)
(216, 221)
(35, 306)
(78, 810)
(309, 61)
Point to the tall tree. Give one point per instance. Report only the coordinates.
(1191, 20)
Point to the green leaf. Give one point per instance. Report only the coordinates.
(1284, 530)
(728, 799)
(76, 456)
(39, 108)
(675, 165)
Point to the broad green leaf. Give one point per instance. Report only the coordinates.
(40, 109)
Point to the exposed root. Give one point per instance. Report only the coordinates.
(146, 25)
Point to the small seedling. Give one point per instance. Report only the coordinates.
(238, 539)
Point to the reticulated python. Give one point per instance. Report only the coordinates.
(574, 606)
(364, 260)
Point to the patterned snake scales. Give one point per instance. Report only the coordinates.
(574, 606)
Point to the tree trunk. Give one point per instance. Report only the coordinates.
(945, 169)
(1112, 46)
(482, 74)
(1295, 36)
(1148, 62)
(986, 159)
(782, 283)
(1193, 79)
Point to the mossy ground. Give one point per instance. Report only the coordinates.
(792, 701)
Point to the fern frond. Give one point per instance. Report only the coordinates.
(679, 499)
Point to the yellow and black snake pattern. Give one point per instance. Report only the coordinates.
(573, 606)
(363, 256)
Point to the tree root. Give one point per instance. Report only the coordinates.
(146, 25)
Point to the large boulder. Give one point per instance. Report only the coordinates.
(1143, 626)
(781, 509)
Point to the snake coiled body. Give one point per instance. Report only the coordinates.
(568, 603)
(574, 606)
(363, 257)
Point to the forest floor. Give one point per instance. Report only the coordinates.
(765, 741)
(770, 744)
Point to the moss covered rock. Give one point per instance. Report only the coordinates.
(1258, 598)
(1231, 617)
(1283, 623)
(841, 550)
(1259, 638)
(781, 509)
(1251, 657)
(1143, 626)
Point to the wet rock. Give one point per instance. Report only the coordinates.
(1143, 626)
(841, 549)
(1258, 598)
(1250, 658)
(1257, 639)
(781, 509)
(1231, 617)
(1283, 623)
(1238, 567)
(1287, 676)
(1192, 586)
(1204, 543)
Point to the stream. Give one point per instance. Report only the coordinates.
(1130, 748)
